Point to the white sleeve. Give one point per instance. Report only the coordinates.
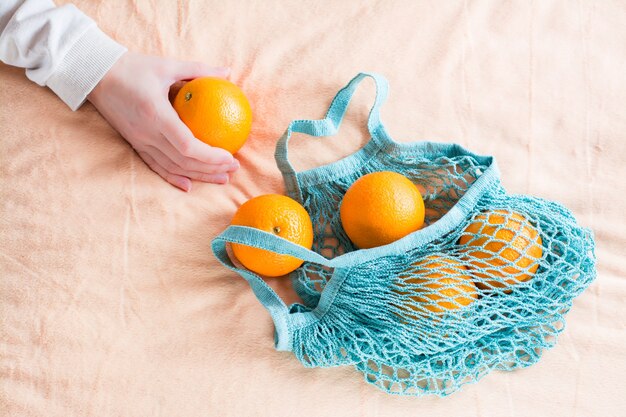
(60, 47)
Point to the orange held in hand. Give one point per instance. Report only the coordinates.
(281, 216)
(380, 208)
(502, 244)
(216, 111)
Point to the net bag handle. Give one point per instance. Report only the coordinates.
(330, 124)
(264, 293)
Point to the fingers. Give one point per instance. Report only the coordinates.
(173, 173)
(218, 174)
(183, 140)
(184, 70)
(180, 72)
(190, 164)
(178, 181)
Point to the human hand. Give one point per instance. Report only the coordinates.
(133, 98)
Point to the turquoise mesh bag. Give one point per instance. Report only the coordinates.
(399, 313)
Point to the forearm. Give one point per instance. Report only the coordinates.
(60, 47)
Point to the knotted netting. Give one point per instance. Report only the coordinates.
(484, 285)
(445, 312)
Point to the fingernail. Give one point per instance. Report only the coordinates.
(185, 185)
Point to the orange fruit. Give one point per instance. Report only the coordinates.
(216, 111)
(281, 216)
(380, 208)
(502, 244)
(437, 284)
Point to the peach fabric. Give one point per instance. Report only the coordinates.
(111, 301)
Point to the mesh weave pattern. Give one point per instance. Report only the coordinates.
(409, 335)
(442, 182)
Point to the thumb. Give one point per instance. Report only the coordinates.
(186, 70)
